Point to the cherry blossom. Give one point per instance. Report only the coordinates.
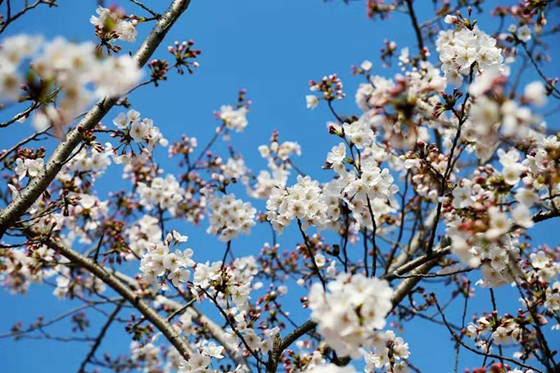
(429, 204)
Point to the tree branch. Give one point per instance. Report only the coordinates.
(204, 321)
(123, 290)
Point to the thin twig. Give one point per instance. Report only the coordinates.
(180, 310)
(417, 29)
(152, 12)
(23, 114)
(311, 256)
(5, 153)
(458, 340)
(11, 18)
(540, 72)
(100, 337)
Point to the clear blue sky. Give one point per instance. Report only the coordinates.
(271, 48)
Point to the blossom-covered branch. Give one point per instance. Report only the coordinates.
(17, 208)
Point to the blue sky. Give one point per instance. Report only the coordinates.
(272, 49)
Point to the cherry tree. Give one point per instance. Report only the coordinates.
(436, 183)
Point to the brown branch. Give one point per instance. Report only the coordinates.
(416, 243)
(204, 321)
(443, 15)
(32, 328)
(311, 255)
(416, 27)
(141, 5)
(417, 262)
(436, 275)
(545, 215)
(123, 290)
(373, 241)
(547, 80)
(227, 319)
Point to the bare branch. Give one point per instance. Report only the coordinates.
(99, 338)
(416, 27)
(12, 18)
(141, 5)
(34, 327)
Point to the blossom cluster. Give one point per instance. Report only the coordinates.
(427, 164)
(417, 83)
(71, 67)
(483, 230)
(111, 23)
(366, 193)
(506, 330)
(522, 33)
(235, 168)
(390, 353)
(493, 250)
(183, 53)
(229, 216)
(228, 282)
(369, 193)
(146, 354)
(88, 214)
(90, 160)
(277, 155)
(14, 50)
(77, 284)
(144, 233)
(200, 362)
(390, 105)
(544, 267)
(159, 264)
(20, 269)
(350, 312)
(234, 118)
(553, 297)
(302, 201)
(329, 86)
(493, 117)
(230, 287)
(165, 193)
(28, 167)
(460, 49)
(139, 130)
